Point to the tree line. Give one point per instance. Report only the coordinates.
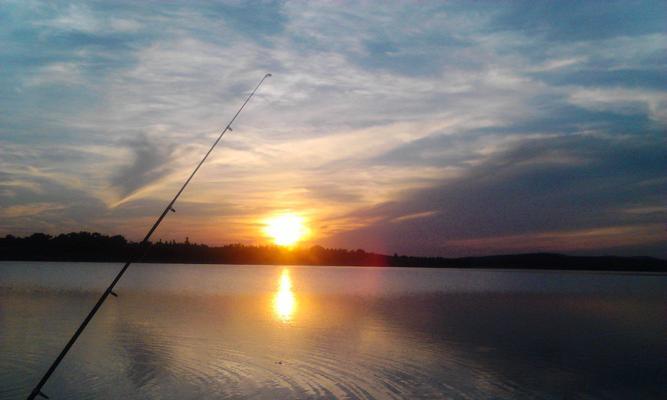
(96, 247)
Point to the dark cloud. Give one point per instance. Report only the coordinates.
(67, 208)
(149, 164)
(634, 78)
(458, 149)
(559, 184)
(459, 80)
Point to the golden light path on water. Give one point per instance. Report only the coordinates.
(284, 301)
(298, 332)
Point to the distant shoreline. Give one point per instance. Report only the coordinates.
(95, 247)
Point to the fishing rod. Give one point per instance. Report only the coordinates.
(139, 254)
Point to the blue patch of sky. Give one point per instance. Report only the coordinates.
(415, 56)
(31, 44)
(404, 46)
(571, 20)
(259, 21)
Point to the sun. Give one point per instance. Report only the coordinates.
(286, 229)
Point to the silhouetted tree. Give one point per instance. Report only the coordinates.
(86, 246)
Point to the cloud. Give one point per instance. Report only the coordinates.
(551, 189)
(150, 163)
(362, 126)
(44, 203)
(28, 210)
(623, 101)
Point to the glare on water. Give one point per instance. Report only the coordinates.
(284, 301)
(206, 332)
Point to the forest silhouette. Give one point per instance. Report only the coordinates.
(96, 247)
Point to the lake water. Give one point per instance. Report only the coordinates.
(294, 332)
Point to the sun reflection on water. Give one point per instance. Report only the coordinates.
(284, 302)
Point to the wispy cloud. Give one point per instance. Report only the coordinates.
(149, 164)
(28, 209)
(448, 121)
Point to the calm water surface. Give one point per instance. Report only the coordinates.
(264, 332)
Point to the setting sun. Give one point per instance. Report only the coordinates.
(286, 229)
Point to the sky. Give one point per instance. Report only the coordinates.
(423, 128)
